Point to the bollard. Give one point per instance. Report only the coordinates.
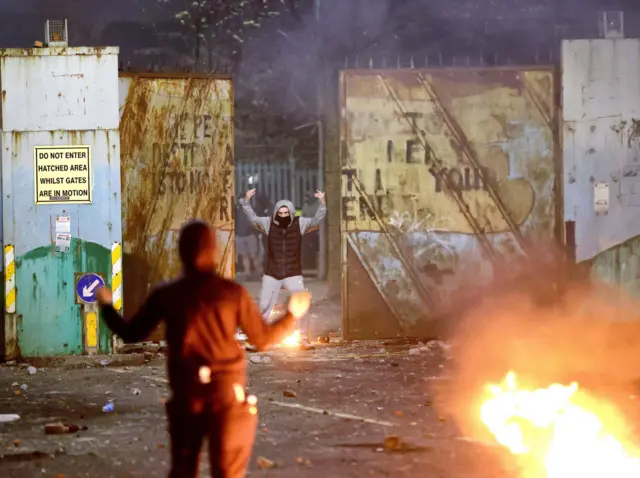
(90, 328)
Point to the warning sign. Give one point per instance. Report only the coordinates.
(62, 174)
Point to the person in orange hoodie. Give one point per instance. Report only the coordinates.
(206, 365)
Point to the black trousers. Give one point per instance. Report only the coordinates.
(229, 427)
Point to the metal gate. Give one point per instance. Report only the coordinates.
(177, 165)
(444, 172)
(278, 181)
(60, 194)
(601, 154)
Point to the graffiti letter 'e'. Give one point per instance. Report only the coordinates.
(413, 148)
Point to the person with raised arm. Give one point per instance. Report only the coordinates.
(206, 365)
(283, 265)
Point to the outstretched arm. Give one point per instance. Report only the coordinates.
(139, 326)
(310, 224)
(262, 335)
(261, 223)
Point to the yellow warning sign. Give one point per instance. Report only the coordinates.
(62, 174)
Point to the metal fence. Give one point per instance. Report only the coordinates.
(543, 56)
(277, 181)
(285, 181)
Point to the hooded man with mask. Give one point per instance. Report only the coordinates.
(206, 366)
(283, 268)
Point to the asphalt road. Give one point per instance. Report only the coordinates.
(347, 401)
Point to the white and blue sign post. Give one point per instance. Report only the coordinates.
(86, 287)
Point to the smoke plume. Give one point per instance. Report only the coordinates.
(547, 330)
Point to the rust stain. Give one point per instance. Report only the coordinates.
(176, 75)
(108, 146)
(634, 133)
(16, 138)
(177, 165)
(133, 120)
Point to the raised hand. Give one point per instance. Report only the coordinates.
(104, 296)
(250, 194)
(319, 195)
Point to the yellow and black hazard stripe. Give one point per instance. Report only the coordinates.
(116, 275)
(9, 279)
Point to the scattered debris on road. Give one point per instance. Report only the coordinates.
(260, 359)
(265, 463)
(313, 401)
(391, 444)
(9, 417)
(61, 429)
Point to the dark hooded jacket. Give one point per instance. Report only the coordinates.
(284, 241)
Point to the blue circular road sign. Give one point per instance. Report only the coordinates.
(87, 286)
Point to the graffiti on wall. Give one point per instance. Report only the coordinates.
(423, 165)
(393, 181)
(184, 167)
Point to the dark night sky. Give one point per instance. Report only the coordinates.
(21, 22)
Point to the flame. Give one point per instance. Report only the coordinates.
(293, 340)
(560, 430)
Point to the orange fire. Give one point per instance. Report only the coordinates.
(560, 430)
(292, 341)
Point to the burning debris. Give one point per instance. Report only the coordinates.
(292, 340)
(546, 372)
(560, 431)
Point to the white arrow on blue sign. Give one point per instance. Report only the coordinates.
(87, 286)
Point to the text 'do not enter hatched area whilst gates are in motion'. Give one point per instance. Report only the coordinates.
(62, 174)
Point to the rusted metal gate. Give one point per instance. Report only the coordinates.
(177, 164)
(444, 173)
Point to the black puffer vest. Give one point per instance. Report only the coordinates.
(284, 251)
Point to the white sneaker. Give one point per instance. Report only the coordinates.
(240, 337)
